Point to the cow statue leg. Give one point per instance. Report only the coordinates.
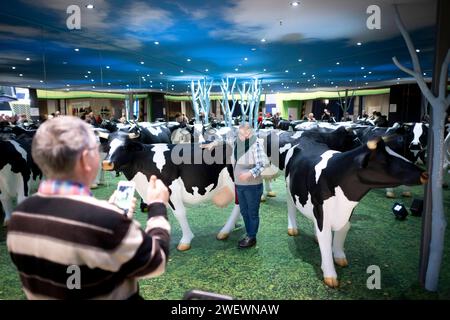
(292, 211)
(230, 224)
(7, 204)
(325, 244)
(11, 185)
(268, 190)
(338, 245)
(180, 214)
(390, 193)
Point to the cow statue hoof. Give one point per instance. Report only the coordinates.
(263, 198)
(407, 194)
(390, 195)
(341, 262)
(292, 232)
(183, 247)
(271, 194)
(94, 186)
(331, 282)
(222, 236)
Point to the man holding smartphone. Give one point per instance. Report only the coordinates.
(63, 228)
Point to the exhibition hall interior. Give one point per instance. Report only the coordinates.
(231, 150)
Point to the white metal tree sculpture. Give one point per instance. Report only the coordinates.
(224, 103)
(439, 104)
(200, 99)
(249, 102)
(346, 100)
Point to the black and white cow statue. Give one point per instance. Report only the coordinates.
(325, 185)
(17, 168)
(410, 142)
(192, 175)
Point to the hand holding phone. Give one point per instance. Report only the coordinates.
(124, 195)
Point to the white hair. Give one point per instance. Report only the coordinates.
(58, 144)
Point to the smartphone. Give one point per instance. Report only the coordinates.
(124, 195)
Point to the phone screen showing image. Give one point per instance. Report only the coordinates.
(124, 197)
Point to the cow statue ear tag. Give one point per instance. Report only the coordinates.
(372, 144)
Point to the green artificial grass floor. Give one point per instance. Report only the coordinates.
(280, 266)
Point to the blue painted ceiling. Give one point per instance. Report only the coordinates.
(163, 45)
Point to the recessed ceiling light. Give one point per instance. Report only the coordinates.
(417, 50)
(236, 69)
(295, 3)
(332, 82)
(109, 83)
(156, 42)
(28, 59)
(263, 40)
(298, 82)
(90, 6)
(20, 75)
(85, 76)
(268, 85)
(161, 73)
(398, 78)
(128, 85)
(304, 73)
(67, 85)
(370, 72)
(206, 70)
(358, 43)
(264, 70)
(245, 59)
(362, 68)
(188, 60)
(148, 75)
(300, 60)
(76, 49)
(309, 80)
(286, 71)
(92, 80)
(14, 68)
(142, 62)
(398, 82)
(424, 73)
(338, 63)
(253, 49)
(366, 83)
(181, 71)
(89, 72)
(107, 67)
(64, 62)
(93, 87)
(41, 81)
(365, 76)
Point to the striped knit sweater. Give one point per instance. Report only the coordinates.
(47, 234)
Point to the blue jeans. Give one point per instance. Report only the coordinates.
(249, 199)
